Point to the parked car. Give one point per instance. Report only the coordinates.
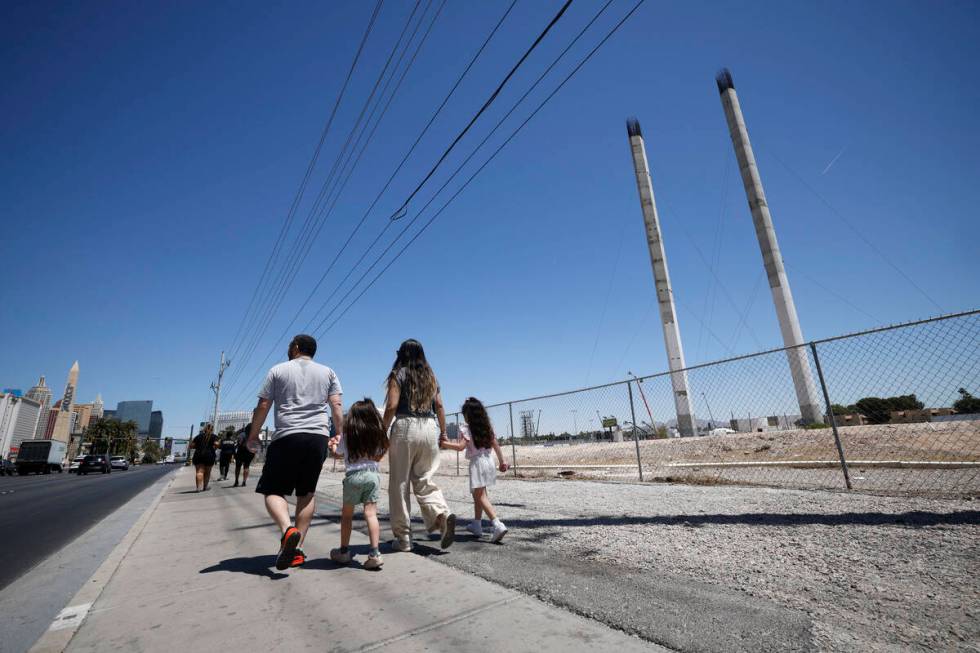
(119, 462)
(73, 467)
(95, 463)
(8, 467)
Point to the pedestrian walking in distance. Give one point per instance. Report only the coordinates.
(478, 440)
(243, 457)
(414, 404)
(304, 393)
(226, 451)
(204, 444)
(362, 446)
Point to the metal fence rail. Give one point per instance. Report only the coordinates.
(898, 418)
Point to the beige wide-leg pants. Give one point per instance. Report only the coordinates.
(413, 458)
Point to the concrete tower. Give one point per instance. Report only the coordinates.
(63, 425)
(782, 297)
(41, 393)
(661, 278)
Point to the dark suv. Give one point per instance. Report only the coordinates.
(95, 463)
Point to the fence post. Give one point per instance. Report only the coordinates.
(830, 414)
(513, 449)
(456, 416)
(636, 437)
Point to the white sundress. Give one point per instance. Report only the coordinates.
(483, 473)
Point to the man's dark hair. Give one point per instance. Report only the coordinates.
(306, 345)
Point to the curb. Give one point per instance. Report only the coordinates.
(69, 620)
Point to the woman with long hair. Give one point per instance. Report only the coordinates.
(414, 404)
(204, 445)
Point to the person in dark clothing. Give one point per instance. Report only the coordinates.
(203, 445)
(243, 457)
(226, 452)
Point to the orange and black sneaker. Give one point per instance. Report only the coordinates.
(287, 548)
(298, 558)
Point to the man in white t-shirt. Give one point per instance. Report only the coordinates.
(302, 392)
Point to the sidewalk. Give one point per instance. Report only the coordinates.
(200, 576)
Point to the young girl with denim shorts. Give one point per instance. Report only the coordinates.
(362, 445)
(479, 441)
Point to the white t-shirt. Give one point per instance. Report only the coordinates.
(300, 389)
(471, 449)
(355, 465)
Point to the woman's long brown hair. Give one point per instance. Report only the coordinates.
(364, 431)
(420, 381)
(479, 422)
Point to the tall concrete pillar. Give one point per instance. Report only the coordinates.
(661, 279)
(782, 297)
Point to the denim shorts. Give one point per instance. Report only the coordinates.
(361, 486)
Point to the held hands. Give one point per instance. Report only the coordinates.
(503, 467)
(443, 440)
(332, 443)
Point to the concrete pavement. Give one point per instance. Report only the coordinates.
(196, 573)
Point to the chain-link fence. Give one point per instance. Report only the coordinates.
(890, 410)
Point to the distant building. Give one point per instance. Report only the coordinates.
(234, 418)
(921, 415)
(52, 420)
(156, 424)
(41, 393)
(18, 422)
(136, 411)
(63, 422)
(851, 419)
(108, 414)
(84, 412)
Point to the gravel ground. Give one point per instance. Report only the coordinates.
(719, 568)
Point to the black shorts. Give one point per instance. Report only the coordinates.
(292, 463)
(206, 458)
(244, 458)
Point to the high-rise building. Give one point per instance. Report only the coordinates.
(63, 423)
(42, 395)
(18, 421)
(53, 413)
(136, 411)
(84, 412)
(98, 408)
(108, 414)
(156, 424)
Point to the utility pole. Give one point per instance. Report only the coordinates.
(216, 387)
(782, 297)
(661, 279)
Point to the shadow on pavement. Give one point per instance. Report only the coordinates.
(915, 519)
(255, 566)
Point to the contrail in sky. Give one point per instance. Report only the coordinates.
(833, 161)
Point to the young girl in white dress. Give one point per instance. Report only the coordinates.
(479, 442)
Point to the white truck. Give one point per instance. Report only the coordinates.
(41, 456)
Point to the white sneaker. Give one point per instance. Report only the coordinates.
(475, 527)
(499, 530)
(401, 545)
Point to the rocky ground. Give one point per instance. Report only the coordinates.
(716, 568)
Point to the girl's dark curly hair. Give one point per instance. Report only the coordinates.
(479, 422)
(364, 431)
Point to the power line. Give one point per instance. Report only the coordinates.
(491, 158)
(391, 178)
(458, 169)
(316, 218)
(309, 170)
(493, 96)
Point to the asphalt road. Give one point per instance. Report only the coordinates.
(42, 514)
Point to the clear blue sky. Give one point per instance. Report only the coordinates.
(149, 153)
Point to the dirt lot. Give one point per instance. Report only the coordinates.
(723, 568)
(747, 459)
